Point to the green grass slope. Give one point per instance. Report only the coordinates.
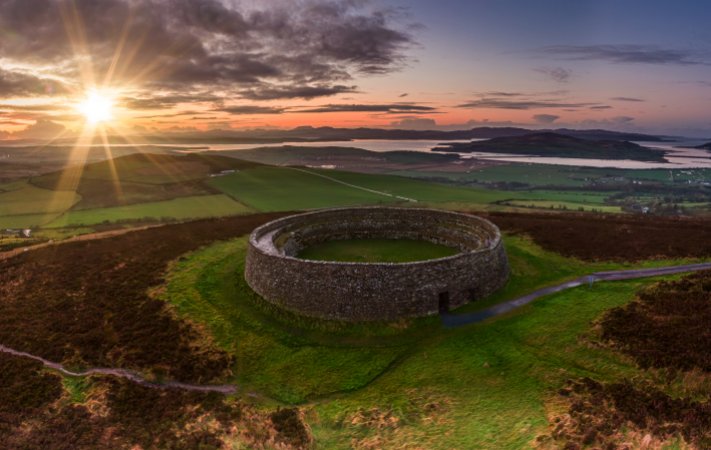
(138, 178)
(177, 209)
(25, 205)
(376, 250)
(286, 189)
(409, 384)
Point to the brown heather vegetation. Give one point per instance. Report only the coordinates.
(118, 414)
(667, 327)
(626, 416)
(611, 237)
(86, 303)
(291, 428)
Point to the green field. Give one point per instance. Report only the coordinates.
(376, 250)
(23, 205)
(21, 198)
(563, 176)
(570, 206)
(490, 385)
(286, 189)
(156, 187)
(177, 187)
(531, 174)
(181, 208)
(441, 193)
(260, 188)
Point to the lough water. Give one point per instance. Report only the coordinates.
(678, 158)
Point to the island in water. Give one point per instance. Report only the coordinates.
(558, 145)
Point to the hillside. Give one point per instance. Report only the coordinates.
(320, 134)
(557, 145)
(706, 146)
(338, 156)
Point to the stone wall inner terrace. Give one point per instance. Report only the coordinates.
(353, 291)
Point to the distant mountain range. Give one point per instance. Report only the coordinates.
(313, 134)
(559, 145)
(346, 134)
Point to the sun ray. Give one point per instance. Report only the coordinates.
(118, 52)
(74, 28)
(112, 165)
(97, 102)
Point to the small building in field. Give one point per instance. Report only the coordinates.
(23, 233)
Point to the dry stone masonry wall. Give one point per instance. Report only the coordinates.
(353, 291)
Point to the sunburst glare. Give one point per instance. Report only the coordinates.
(97, 107)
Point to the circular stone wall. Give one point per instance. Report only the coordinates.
(356, 291)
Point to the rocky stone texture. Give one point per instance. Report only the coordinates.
(375, 291)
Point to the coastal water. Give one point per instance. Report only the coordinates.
(677, 156)
(373, 145)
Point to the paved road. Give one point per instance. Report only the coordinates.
(457, 320)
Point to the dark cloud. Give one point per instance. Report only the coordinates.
(414, 123)
(633, 54)
(613, 122)
(251, 109)
(29, 108)
(273, 49)
(290, 92)
(545, 118)
(524, 101)
(160, 101)
(503, 103)
(394, 108)
(17, 84)
(504, 94)
(41, 129)
(600, 107)
(405, 94)
(11, 122)
(474, 123)
(557, 74)
(627, 99)
(168, 115)
(622, 119)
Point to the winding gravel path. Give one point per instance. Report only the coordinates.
(123, 373)
(448, 320)
(457, 320)
(82, 237)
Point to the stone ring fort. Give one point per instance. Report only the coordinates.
(357, 291)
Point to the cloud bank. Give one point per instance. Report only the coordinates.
(259, 50)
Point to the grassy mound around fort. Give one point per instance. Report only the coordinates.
(413, 384)
(410, 384)
(376, 250)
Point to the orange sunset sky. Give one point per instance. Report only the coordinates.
(141, 66)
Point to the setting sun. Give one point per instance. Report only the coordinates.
(96, 107)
